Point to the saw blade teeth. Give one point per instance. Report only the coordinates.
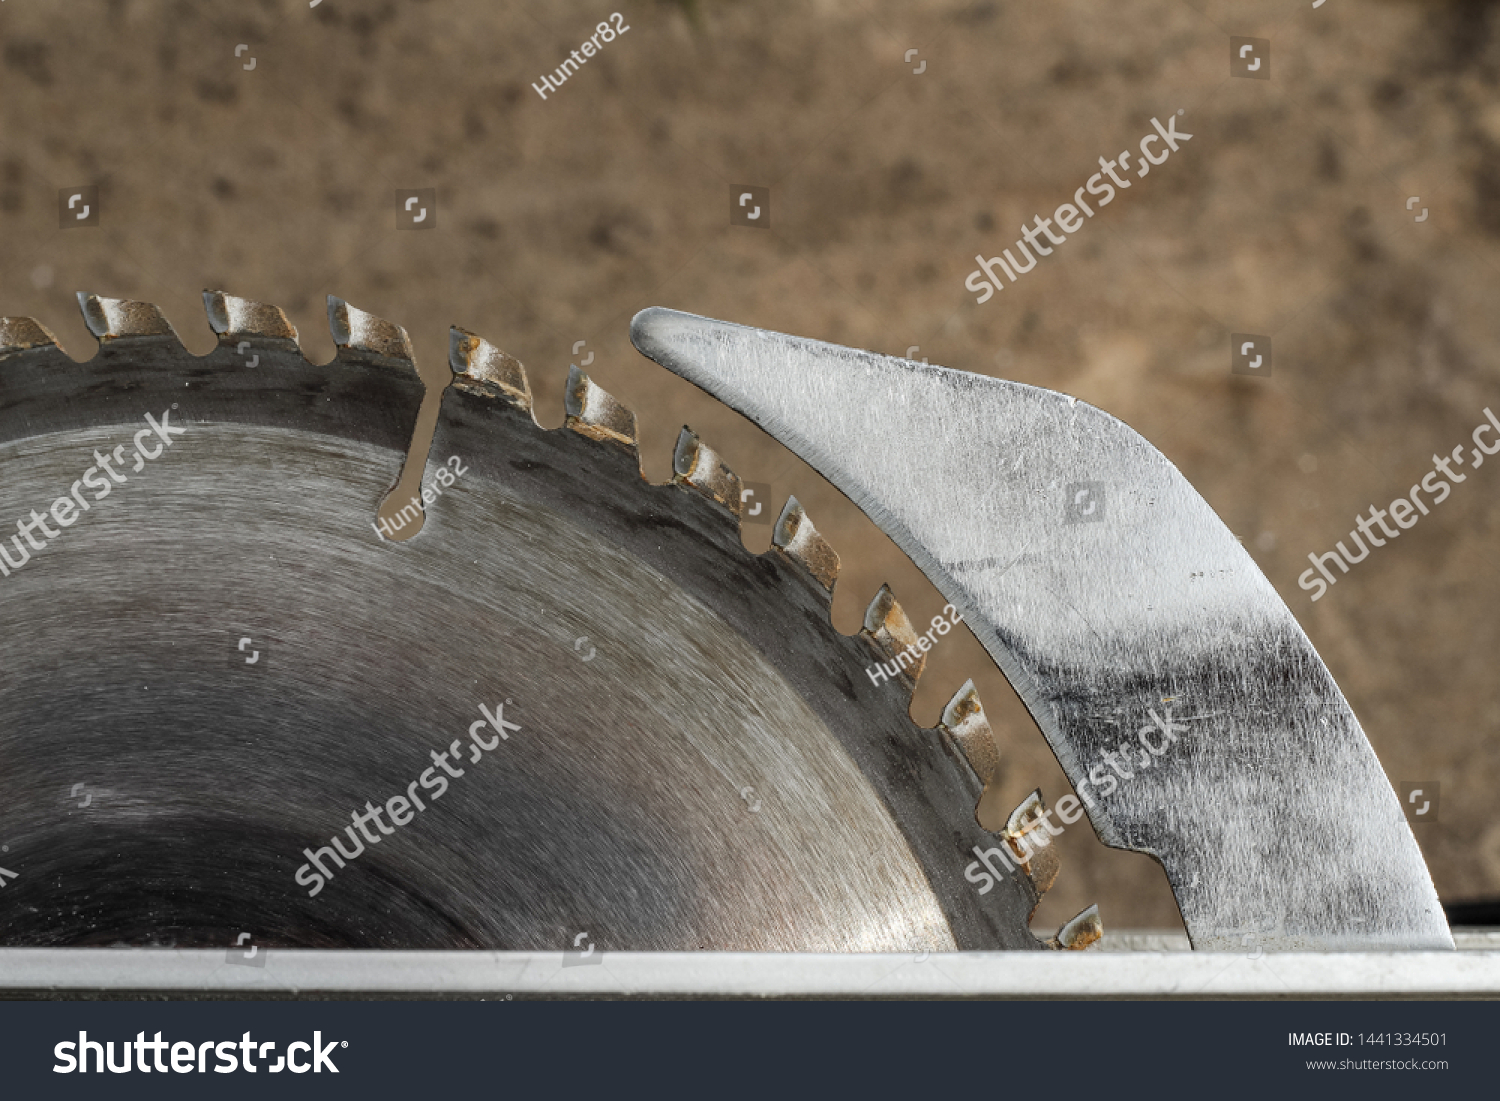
(965, 723)
(483, 369)
(1027, 815)
(1080, 932)
(119, 318)
(1028, 836)
(17, 334)
(232, 318)
(597, 414)
(357, 331)
(698, 467)
(887, 625)
(797, 538)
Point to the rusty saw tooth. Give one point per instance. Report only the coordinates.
(594, 413)
(795, 537)
(366, 339)
(19, 334)
(1080, 932)
(111, 319)
(698, 467)
(1028, 835)
(965, 725)
(890, 631)
(1025, 835)
(484, 370)
(240, 319)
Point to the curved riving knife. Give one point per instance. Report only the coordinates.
(1176, 688)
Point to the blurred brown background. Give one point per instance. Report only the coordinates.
(556, 219)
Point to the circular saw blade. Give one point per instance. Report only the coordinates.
(572, 704)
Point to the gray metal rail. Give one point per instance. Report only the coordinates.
(1125, 972)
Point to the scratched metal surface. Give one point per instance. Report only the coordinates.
(617, 810)
(1270, 813)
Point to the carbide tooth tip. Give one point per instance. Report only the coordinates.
(482, 368)
(887, 625)
(698, 467)
(1027, 814)
(461, 347)
(596, 413)
(1081, 932)
(364, 332)
(963, 708)
(964, 721)
(685, 454)
(797, 538)
(20, 333)
(117, 318)
(235, 317)
(1030, 839)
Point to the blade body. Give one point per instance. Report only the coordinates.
(212, 678)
